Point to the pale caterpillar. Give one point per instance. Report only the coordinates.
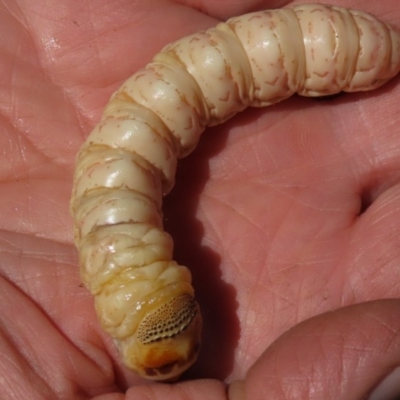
(144, 300)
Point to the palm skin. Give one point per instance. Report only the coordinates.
(282, 214)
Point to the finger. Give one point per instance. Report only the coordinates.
(344, 354)
(228, 8)
(37, 359)
(194, 390)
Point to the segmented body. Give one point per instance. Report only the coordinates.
(143, 298)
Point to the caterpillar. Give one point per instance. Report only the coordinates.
(143, 298)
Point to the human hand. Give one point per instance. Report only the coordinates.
(283, 214)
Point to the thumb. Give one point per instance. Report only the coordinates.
(351, 353)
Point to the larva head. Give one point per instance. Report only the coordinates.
(167, 340)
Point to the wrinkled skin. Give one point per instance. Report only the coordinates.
(283, 214)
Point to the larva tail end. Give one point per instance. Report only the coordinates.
(167, 341)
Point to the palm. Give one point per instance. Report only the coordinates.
(266, 212)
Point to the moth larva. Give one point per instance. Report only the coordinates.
(143, 298)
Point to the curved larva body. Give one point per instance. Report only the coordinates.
(145, 300)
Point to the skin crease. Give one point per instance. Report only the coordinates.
(285, 214)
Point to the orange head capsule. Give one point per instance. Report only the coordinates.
(167, 341)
